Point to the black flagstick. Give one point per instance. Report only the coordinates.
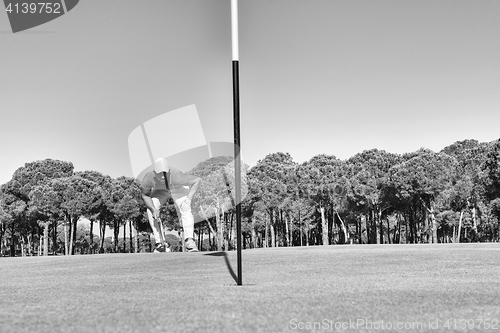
(161, 226)
(166, 179)
(236, 118)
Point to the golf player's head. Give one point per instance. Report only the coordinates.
(161, 165)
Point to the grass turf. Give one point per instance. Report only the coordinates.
(367, 288)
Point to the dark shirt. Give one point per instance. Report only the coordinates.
(153, 184)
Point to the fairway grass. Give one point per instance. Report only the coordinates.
(351, 288)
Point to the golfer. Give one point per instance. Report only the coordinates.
(156, 190)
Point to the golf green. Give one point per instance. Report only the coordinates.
(352, 288)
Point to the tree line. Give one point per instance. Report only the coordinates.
(374, 197)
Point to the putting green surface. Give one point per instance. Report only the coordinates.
(363, 288)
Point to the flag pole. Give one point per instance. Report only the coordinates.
(236, 124)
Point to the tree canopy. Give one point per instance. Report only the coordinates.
(373, 197)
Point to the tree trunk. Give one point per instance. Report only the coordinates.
(356, 233)
(218, 225)
(395, 234)
(73, 239)
(31, 244)
(399, 230)
(344, 229)
(265, 241)
(102, 232)
(23, 254)
(273, 234)
(370, 228)
(272, 230)
(498, 232)
(380, 227)
(66, 245)
(46, 239)
(211, 232)
(125, 237)
(307, 235)
(407, 229)
(130, 236)
(324, 226)
(287, 232)
(210, 238)
(454, 233)
(430, 210)
(332, 226)
(474, 224)
(301, 228)
(2, 232)
(70, 237)
(12, 240)
(227, 231)
(460, 226)
(426, 227)
(116, 234)
(254, 235)
(29, 239)
(200, 239)
(91, 245)
(136, 241)
(434, 227)
(388, 231)
(360, 231)
(413, 227)
(301, 234)
(234, 236)
(54, 238)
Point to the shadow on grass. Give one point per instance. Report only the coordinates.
(228, 264)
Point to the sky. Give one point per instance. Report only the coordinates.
(329, 77)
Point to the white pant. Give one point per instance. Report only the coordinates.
(186, 218)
